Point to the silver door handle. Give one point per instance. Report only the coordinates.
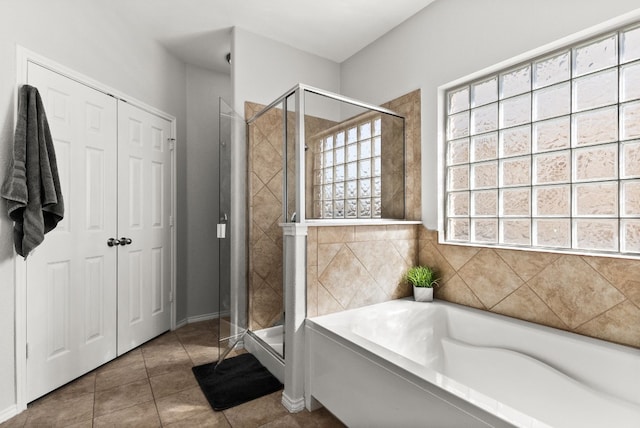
(125, 241)
(113, 242)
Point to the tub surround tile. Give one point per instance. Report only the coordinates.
(489, 285)
(345, 276)
(619, 324)
(588, 295)
(382, 261)
(312, 291)
(369, 295)
(457, 255)
(525, 304)
(325, 254)
(327, 304)
(336, 234)
(430, 256)
(574, 290)
(527, 264)
(623, 274)
(408, 249)
(456, 290)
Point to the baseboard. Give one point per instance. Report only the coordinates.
(203, 317)
(293, 406)
(8, 413)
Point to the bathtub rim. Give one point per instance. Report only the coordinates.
(336, 327)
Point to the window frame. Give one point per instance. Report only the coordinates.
(618, 25)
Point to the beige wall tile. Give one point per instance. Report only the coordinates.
(335, 234)
(527, 264)
(490, 278)
(345, 276)
(456, 290)
(525, 304)
(574, 290)
(618, 324)
(327, 304)
(326, 253)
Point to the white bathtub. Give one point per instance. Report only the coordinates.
(408, 364)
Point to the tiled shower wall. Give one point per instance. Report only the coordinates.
(593, 296)
(265, 166)
(352, 266)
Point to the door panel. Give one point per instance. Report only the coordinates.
(71, 276)
(144, 265)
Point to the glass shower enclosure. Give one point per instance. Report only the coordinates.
(313, 157)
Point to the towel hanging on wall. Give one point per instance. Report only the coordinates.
(32, 186)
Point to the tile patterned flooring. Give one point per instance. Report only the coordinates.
(153, 386)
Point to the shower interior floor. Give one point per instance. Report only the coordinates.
(274, 337)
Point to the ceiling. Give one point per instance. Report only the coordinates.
(199, 31)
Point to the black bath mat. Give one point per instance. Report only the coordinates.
(236, 381)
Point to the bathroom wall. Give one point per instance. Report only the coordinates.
(91, 39)
(594, 296)
(353, 266)
(204, 88)
(265, 166)
(450, 39)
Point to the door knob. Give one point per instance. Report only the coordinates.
(125, 241)
(113, 241)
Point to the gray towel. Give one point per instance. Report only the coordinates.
(32, 187)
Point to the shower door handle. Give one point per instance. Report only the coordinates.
(222, 226)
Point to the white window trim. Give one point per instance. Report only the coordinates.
(569, 41)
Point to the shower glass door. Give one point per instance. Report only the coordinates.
(232, 299)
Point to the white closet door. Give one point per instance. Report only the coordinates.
(71, 276)
(144, 211)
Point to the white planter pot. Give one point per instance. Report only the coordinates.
(422, 294)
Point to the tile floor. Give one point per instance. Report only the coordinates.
(153, 386)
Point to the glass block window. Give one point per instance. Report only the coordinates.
(547, 154)
(347, 170)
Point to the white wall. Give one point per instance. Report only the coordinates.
(264, 69)
(261, 71)
(89, 38)
(450, 39)
(204, 87)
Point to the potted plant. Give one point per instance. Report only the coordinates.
(423, 279)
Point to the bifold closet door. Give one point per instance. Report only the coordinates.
(71, 276)
(144, 223)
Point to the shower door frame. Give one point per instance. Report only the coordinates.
(299, 90)
(295, 240)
